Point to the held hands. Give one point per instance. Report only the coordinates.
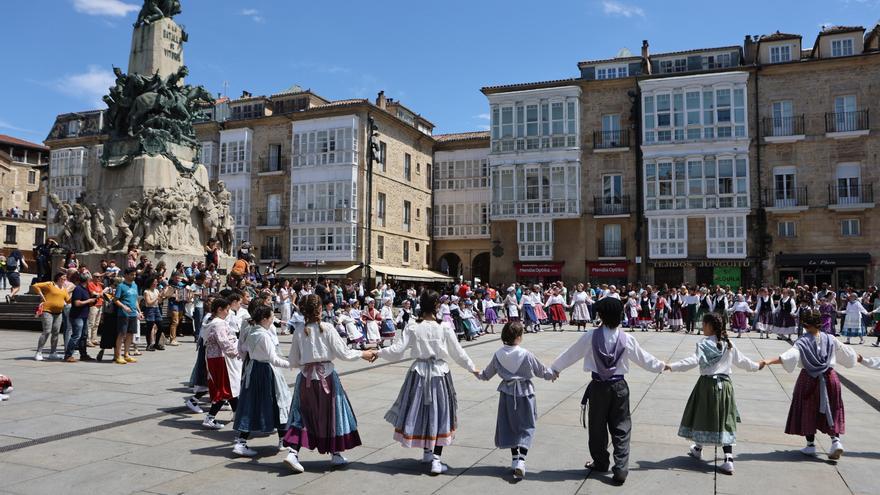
(666, 367)
(860, 358)
(476, 374)
(761, 364)
(370, 356)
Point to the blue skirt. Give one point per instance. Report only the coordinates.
(387, 329)
(529, 314)
(257, 409)
(321, 419)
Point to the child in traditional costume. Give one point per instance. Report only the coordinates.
(764, 309)
(517, 408)
(741, 311)
(828, 311)
(704, 303)
(645, 307)
(632, 311)
(404, 316)
(676, 304)
(511, 305)
(710, 416)
(538, 302)
(817, 403)
(471, 322)
(606, 353)
(490, 316)
(320, 416)
(580, 304)
(371, 317)
(786, 316)
(264, 402)
(852, 322)
(556, 305)
(425, 414)
(346, 320)
(530, 317)
(222, 361)
(387, 330)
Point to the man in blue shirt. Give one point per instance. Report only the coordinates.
(128, 312)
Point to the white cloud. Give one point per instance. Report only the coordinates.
(8, 126)
(115, 8)
(614, 8)
(88, 86)
(482, 116)
(254, 14)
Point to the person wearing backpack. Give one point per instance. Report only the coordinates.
(14, 263)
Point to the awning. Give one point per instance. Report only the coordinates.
(825, 259)
(411, 274)
(320, 271)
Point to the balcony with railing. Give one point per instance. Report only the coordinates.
(270, 252)
(612, 249)
(269, 219)
(783, 129)
(562, 208)
(272, 164)
(786, 200)
(847, 124)
(605, 141)
(850, 196)
(329, 215)
(611, 206)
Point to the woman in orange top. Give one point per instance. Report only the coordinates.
(54, 296)
(96, 290)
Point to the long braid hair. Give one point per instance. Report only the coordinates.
(311, 308)
(719, 329)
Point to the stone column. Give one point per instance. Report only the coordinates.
(156, 47)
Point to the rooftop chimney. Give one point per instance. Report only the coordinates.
(246, 94)
(646, 57)
(749, 50)
(380, 100)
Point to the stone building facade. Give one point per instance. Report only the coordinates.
(23, 177)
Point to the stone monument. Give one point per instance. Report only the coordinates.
(150, 192)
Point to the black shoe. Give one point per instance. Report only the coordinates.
(619, 476)
(160, 347)
(100, 356)
(593, 467)
(151, 348)
(86, 357)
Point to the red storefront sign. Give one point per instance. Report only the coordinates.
(617, 269)
(539, 269)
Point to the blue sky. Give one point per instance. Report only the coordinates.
(433, 56)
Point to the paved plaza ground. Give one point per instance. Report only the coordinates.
(103, 428)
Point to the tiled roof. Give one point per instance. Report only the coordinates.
(840, 29)
(296, 88)
(342, 103)
(530, 85)
(696, 50)
(461, 136)
(609, 60)
(778, 36)
(21, 142)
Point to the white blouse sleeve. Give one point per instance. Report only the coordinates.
(790, 359)
(575, 352)
(337, 345)
(742, 361)
(398, 349)
(873, 363)
(642, 357)
(845, 354)
(294, 357)
(687, 363)
(265, 347)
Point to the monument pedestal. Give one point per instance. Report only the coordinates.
(157, 47)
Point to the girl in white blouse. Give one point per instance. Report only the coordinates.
(425, 412)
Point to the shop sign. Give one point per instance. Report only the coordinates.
(727, 276)
(539, 269)
(608, 270)
(701, 263)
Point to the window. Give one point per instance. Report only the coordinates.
(383, 155)
(682, 115)
(332, 242)
(327, 147)
(323, 202)
(461, 220)
(273, 210)
(612, 72)
(849, 189)
(535, 240)
(380, 209)
(612, 190)
(784, 187)
(39, 236)
(429, 181)
(780, 54)
(536, 190)
(667, 237)
(718, 61)
(538, 124)
(407, 166)
(206, 154)
(787, 229)
(783, 123)
(32, 177)
(612, 244)
(240, 206)
(611, 137)
(73, 127)
(380, 247)
(235, 157)
(418, 214)
(10, 234)
(407, 219)
(274, 162)
(846, 117)
(842, 48)
(726, 237)
(848, 228)
(406, 251)
(461, 174)
(418, 168)
(699, 182)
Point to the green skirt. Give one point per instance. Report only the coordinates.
(710, 416)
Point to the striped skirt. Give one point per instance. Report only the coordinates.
(425, 412)
(804, 417)
(321, 419)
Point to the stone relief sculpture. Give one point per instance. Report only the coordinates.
(153, 10)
